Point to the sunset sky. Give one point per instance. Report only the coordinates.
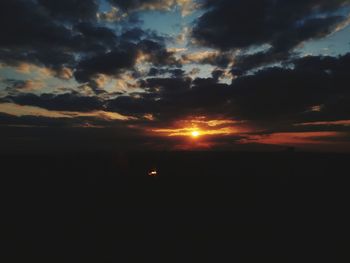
(174, 75)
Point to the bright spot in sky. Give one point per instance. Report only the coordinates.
(153, 173)
(195, 134)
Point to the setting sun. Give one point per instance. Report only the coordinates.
(195, 134)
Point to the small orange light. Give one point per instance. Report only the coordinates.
(153, 173)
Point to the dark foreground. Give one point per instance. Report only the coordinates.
(203, 207)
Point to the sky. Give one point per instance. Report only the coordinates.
(174, 75)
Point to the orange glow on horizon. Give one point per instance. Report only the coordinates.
(200, 126)
(202, 133)
(325, 123)
(199, 133)
(294, 138)
(185, 132)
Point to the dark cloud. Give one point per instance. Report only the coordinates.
(219, 59)
(132, 5)
(134, 34)
(61, 102)
(156, 71)
(270, 95)
(67, 34)
(216, 74)
(134, 106)
(157, 52)
(163, 86)
(278, 93)
(24, 23)
(290, 94)
(175, 73)
(30, 33)
(44, 134)
(40, 121)
(164, 97)
(312, 88)
(97, 34)
(15, 86)
(124, 57)
(173, 98)
(283, 24)
(71, 9)
(110, 63)
(53, 59)
(244, 63)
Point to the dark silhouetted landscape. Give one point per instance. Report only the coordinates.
(202, 206)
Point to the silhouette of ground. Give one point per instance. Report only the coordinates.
(203, 206)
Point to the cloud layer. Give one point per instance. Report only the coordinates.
(241, 68)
